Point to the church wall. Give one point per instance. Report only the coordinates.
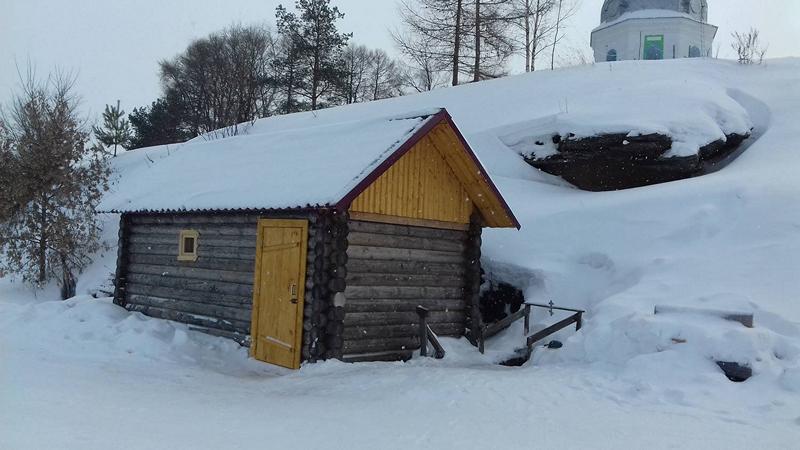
(628, 38)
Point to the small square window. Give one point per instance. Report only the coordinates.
(187, 245)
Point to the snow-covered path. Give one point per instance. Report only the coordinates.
(87, 375)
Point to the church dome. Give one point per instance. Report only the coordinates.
(614, 9)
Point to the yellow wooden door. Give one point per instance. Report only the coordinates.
(278, 292)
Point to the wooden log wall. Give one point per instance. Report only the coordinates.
(327, 268)
(121, 274)
(213, 294)
(472, 295)
(392, 269)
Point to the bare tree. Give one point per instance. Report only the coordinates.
(385, 77)
(748, 47)
(51, 230)
(356, 66)
(369, 75)
(492, 43)
(533, 19)
(423, 72)
(9, 197)
(222, 80)
(433, 33)
(564, 9)
(560, 8)
(573, 56)
(471, 37)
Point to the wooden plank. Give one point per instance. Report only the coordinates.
(192, 284)
(380, 345)
(402, 305)
(398, 331)
(419, 186)
(552, 329)
(366, 266)
(401, 355)
(245, 278)
(494, 328)
(211, 230)
(191, 319)
(411, 292)
(401, 254)
(203, 240)
(191, 218)
(476, 183)
(433, 337)
(404, 280)
(212, 298)
(409, 221)
(234, 265)
(743, 318)
(203, 251)
(401, 318)
(203, 309)
(242, 339)
(409, 242)
(402, 230)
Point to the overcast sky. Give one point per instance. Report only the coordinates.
(114, 45)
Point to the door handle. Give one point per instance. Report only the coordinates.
(293, 293)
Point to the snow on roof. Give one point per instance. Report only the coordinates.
(501, 119)
(646, 14)
(307, 166)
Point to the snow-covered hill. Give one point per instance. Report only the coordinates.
(629, 379)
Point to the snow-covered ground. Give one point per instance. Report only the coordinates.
(86, 374)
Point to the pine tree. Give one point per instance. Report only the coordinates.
(57, 181)
(313, 35)
(159, 124)
(290, 75)
(116, 130)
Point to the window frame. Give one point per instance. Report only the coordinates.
(183, 255)
(654, 41)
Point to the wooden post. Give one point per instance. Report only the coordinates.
(121, 275)
(423, 330)
(528, 320)
(472, 281)
(481, 341)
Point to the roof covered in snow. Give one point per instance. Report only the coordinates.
(278, 164)
(615, 9)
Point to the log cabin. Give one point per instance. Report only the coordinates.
(311, 243)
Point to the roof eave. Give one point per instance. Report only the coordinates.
(484, 173)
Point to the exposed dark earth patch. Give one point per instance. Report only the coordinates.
(612, 162)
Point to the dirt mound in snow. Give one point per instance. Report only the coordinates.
(617, 161)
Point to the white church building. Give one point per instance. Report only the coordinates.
(653, 29)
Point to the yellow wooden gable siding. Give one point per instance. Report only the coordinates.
(436, 181)
(420, 185)
(485, 199)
